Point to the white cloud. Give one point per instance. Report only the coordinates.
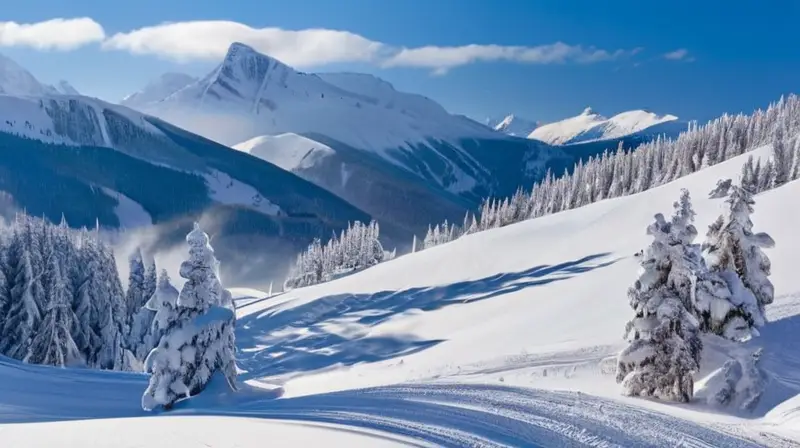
(54, 34)
(209, 40)
(681, 54)
(442, 59)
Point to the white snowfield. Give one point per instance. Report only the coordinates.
(501, 338)
(288, 151)
(590, 126)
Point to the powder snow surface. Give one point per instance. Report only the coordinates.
(502, 338)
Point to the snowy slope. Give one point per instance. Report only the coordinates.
(158, 89)
(590, 126)
(288, 151)
(513, 125)
(497, 339)
(539, 304)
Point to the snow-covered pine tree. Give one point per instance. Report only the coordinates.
(139, 338)
(662, 355)
(24, 313)
(163, 304)
(734, 252)
(721, 189)
(201, 340)
(134, 297)
(782, 162)
(53, 343)
(150, 280)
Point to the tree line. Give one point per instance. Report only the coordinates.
(625, 172)
(358, 247)
(61, 299)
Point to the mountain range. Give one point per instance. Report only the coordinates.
(398, 156)
(274, 155)
(589, 126)
(97, 163)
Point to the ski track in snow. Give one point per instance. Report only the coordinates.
(458, 415)
(441, 414)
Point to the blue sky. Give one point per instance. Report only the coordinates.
(735, 55)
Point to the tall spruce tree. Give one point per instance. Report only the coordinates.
(200, 341)
(736, 253)
(664, 346)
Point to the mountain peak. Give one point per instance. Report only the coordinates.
(513, 125)
(66, 88)
(15, 80)
(245, 65)
(588, 111)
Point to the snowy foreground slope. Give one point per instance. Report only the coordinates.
(497, 339)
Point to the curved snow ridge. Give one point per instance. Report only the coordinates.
(590, 126)
(458, 415)
(288, 151)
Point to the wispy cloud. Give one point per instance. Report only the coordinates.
(185, 41)
(442, 59)
(55, 34)
(681, 54)
(209, 40)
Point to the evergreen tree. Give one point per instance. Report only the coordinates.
(200, 342)
(150, 280)
(163, 304)
(664, 347)
(53, 343)
(782, 163)
(135, 296)
(734, 252)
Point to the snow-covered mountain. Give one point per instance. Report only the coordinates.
(16, 80)
(590, 126)
(396, 155)
(90, 160)
(158, 89)
(513, 125)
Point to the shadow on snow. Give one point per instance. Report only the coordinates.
(333, 330)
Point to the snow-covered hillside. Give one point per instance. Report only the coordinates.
(513, 125)
(288, 151)
(590, 126)
(501, 338)
(546, 318)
